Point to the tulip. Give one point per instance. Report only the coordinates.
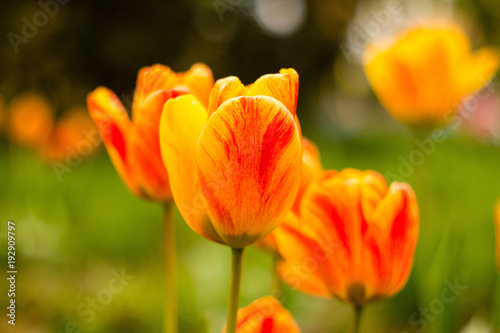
(30, 120)
(265, 315)
(234, 166)
(421, 74)
(134, 145)
(356, 241)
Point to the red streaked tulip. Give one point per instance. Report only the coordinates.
(133, 145)
(239, 164)
(265, 315)
(360, 234)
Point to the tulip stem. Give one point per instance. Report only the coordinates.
(356, 318)
(170, 270)
(234, 289)
(276, 287)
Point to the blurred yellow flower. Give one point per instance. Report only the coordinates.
(423, 73)
(265, 315)
(73, 133)
(32, 123)
(30, 119)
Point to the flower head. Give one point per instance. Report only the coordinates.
(360, 234)
(31, 119)
(237, 162)
(421, 75)
(265, 315)
(133, 144)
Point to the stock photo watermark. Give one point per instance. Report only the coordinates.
(425, 147)
(428, 314)
(361, 31)
(31, 26)
(359, 34)
(88, 309)
(11, 272)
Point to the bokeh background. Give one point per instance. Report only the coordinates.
(77, 226)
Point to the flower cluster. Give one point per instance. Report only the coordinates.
(233, 159)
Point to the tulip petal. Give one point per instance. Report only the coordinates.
(114, 125)
(391, 81)
(393, 238)
(181, 123)
(311, 168)
(146, 158)
(483, 66)
(284, 87)
(223, 90)
(151, 79)
(199, 80)
(249, 161)
(304, 258)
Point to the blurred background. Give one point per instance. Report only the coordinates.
(78, 227)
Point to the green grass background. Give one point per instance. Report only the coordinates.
(72, 234)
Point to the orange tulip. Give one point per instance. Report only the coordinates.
(238, 161)
(30, 120)
(311, 168)
(72, 133)
(497, 230)
(357, 238)
(265, 315)
(133, 145)
(421, 74)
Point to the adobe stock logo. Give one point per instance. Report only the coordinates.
(30, 28)
(95, 304)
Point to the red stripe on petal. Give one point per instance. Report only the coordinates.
(116, 139)
(267, 325)
(277, 136)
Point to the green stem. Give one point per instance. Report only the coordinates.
(170, 270)
(356, 318)
(276, 287)
(234, 289)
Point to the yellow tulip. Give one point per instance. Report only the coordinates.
(421, 74)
